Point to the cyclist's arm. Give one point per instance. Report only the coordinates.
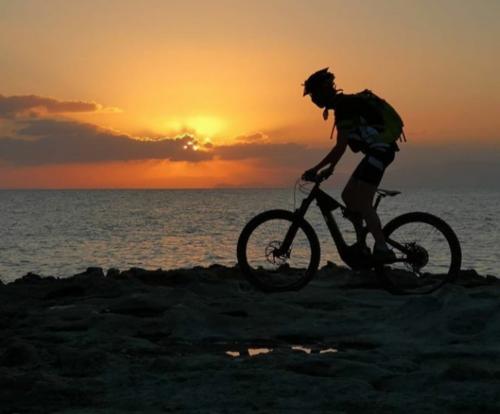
(335, 154)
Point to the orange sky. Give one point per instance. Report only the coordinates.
(222, 70)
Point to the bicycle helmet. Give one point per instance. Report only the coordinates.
(318, 79)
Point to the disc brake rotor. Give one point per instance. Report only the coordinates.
(272, 255)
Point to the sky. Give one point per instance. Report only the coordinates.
(190, 94)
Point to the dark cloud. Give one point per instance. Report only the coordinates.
(277, 154)
(55, 128)
(12, 106)
(59, 142)
(449, 165)
(50, 141)
(42, 141)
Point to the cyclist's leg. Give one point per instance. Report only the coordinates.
(358, 196)
(360, 191)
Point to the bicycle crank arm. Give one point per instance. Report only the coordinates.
(398, 246)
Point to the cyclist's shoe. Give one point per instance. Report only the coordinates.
(383, 255)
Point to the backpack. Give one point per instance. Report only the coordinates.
(392, 130)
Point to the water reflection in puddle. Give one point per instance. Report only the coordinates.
(302, 348)
(259, 351)
(250, 351)
(233, 353)
(328, 351)
(313, 351)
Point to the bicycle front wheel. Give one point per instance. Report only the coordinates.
(428, 253)
(265, 262)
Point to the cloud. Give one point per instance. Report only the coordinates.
(257, 137)
(33, 105)
(51, 141)
(62, 142)
(55, 128)
(273, 154)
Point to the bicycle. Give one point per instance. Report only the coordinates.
(278, 250)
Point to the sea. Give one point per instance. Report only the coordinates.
(62, 232)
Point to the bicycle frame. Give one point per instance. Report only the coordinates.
(357, 255)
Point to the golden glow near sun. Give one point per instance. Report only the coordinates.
(204, 126)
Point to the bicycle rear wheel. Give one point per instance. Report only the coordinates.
(428, 252)
(262, 259)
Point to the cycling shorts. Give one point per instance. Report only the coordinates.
(372, 166)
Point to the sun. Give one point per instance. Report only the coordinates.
(206, 125)
(191, 145)
(203, 126)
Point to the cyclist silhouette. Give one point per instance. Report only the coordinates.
(361, 127)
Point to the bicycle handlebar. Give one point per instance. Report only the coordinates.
(320, 176)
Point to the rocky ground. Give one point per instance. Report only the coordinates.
(201, 340)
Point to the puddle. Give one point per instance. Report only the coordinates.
(233, 353)
(314, 351)
(260, 351)
(328, 351)
(301, 348)
(250, 351)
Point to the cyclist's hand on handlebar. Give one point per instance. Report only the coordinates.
(310, 175)
(316, 177)
(325, 173)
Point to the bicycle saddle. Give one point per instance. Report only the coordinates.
(390, 193)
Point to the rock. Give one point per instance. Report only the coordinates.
(28, 278)
(492, 280)
(470, 278)
(18, 353)
(171, 278)
(238, 313)
(140, 306)
(91, 272)
(467, 371)
(71, 290)
(75, 362)
(178, 340)
(331, 265)
(470, 321)
(137, 271)
(113, 273)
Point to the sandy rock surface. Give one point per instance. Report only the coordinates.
(202, 340)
